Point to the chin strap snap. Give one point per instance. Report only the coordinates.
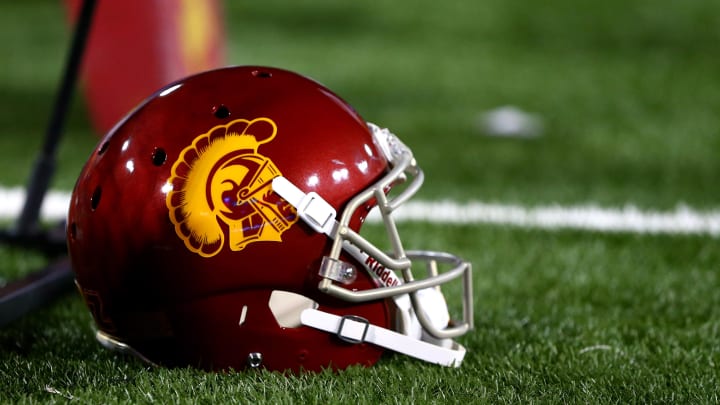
(354, 329)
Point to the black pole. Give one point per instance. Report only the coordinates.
(44, 166)
(34, 290)
(40, 287)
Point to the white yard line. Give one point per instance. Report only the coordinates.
(681, 220)
(54, 206)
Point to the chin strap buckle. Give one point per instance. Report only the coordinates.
(353, 329)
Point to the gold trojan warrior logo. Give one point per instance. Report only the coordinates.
(221, 190)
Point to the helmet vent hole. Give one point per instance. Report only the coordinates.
(103, 147)
(262, 74)
(95, 198)
(159, 156)
(221, 111)
(73, 230)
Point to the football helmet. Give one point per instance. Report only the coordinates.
(218, 226)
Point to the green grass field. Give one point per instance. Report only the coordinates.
(629, 93)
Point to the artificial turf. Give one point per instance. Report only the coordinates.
(628, 92)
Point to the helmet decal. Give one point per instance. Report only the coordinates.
(221, 190)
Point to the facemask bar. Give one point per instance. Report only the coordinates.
(403, 167)
(115, 345)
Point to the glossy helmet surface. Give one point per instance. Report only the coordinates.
(218, 224)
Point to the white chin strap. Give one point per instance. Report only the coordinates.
(358, 330)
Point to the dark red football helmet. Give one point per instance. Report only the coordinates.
(218, 226)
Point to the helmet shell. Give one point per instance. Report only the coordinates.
(178, 241)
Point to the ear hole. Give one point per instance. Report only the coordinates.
(287, 307)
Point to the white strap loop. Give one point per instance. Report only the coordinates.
(356, 330)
